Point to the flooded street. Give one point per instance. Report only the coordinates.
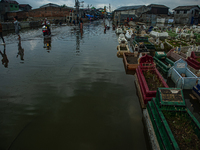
(69, 91)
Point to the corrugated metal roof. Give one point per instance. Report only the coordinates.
(157, 5)
(24, 5)
(49, 5)
(129, 8)
(186, 7)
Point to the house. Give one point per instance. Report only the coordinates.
(129, 11)
(50, 11)
(186, 14)
(7, 6)
(49, 5)
(25, 7)
(158, 9)
(155, 12)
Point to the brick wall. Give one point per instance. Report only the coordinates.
(49, 12)
(40, 13)
(21, 15)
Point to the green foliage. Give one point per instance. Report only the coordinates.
(177, 43)
(182, 129)
(166, 49)
(63, 5)
(171, 33)
(198, 59)
(152, 80)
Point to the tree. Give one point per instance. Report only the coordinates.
(63, 5)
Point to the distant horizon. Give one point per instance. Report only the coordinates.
(114, 3)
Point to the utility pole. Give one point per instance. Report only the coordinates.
(77, 4)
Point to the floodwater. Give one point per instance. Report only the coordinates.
(69, 91)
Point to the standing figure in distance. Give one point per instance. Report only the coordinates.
(17, 26)
(1, 34)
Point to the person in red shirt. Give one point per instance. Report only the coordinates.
(128, 19)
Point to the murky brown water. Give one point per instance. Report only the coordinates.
(68, 92)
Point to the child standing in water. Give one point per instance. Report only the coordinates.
(1, 34)
(17, 26)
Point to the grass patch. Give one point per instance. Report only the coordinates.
(152, 80)
(183, 130)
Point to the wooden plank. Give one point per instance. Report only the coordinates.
(139, 92)
(196, 95)
(193, 96)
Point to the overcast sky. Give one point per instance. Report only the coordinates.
(114, 3)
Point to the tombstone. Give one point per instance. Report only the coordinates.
(176, 50)
(188, 54)
(143, 33)
(135, 54)
(162, 45)
(191, 35)
(139, 58)
(179, 49)
(187, 38)
(177, 37)
(198, 73)
(194, 48)
(136, 48)
(184, 27)
(177, 30)
(157, 41)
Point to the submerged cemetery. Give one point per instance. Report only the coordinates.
(100, 79)
(165, 62)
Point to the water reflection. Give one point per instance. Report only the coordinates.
(81, 33)
(20, 50)
(47, 44)
(60, 94)
(4, 60)
(79, 36)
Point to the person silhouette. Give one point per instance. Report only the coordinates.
(20, 50)
(4, 60)
(1, 35)
(17, 26)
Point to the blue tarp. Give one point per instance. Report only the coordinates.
(90, 16)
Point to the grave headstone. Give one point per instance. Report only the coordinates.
(157, 41)
(162, 46)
